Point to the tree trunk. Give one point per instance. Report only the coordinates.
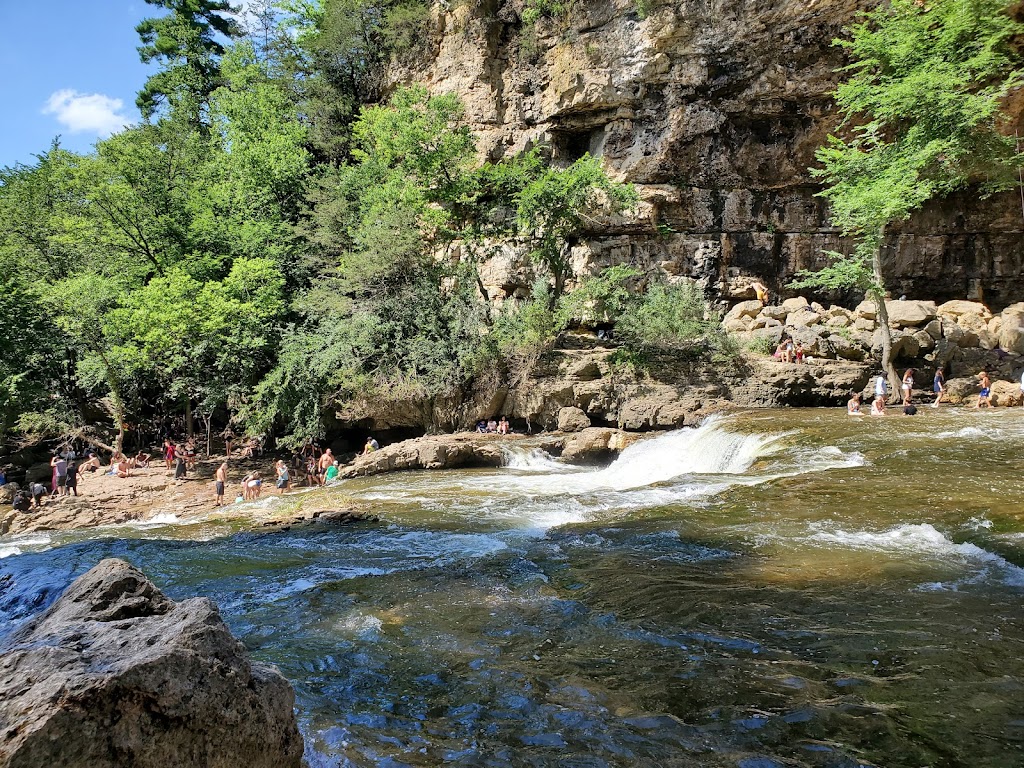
(116, 403)
(878, 294)
(189, 423)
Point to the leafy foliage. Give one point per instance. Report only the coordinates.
(187, 42)
(923, 94)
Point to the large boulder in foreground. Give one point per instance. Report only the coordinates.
(115, 674)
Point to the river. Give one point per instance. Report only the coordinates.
(774, 588)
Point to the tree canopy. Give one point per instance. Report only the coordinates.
(922, 102)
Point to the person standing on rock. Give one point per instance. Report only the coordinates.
(60, 475)
(180, 470)
(71, 484)
(220, 479)
(938, 386)
(760, 291)
(908, 386)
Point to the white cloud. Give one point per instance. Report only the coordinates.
(86, 112)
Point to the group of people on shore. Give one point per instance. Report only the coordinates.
(490, 426)
(853, 405)
(788, 352)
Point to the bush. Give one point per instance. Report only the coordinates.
(674, 318)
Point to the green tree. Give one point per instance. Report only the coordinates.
(557, 204)
(923, 103)
(188, 44)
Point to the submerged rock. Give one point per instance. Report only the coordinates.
(116, 674)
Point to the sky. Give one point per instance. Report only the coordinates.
(67, 68)
(70, 68)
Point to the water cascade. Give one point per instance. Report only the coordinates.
(756, 591)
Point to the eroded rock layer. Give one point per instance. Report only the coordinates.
(714, 108)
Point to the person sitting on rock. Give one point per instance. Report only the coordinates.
(492, 426)
(21, 502)
(371, 446)
(878, 406)
(142, 459)
(780, 352)
(985, 396)
(91, 465)
(481, 426)
(853, 405)
(124, 469)
(503, 426)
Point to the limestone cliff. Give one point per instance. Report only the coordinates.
(713, 108)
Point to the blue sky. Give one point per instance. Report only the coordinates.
(70, 67)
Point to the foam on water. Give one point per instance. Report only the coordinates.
(710, 449)
(20, 543)
(156, 521)
(923, 539)
(534, 460)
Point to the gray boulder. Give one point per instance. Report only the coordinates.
(115, 674)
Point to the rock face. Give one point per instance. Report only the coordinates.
(714, 111)
(115, 674)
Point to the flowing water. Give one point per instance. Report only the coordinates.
(776, 588)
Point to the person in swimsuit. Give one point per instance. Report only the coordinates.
(985, 396)
(326, 460)
(503, 426)
(878, 407)
(908, 386)
(91, 465)
(169, 453)
(853, 406)
(220, 479)
(938, 386)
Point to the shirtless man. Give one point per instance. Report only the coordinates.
(219, 480)
(91, 465)
(985, 396)
(326, 460)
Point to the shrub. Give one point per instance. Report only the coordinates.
(674, 318)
